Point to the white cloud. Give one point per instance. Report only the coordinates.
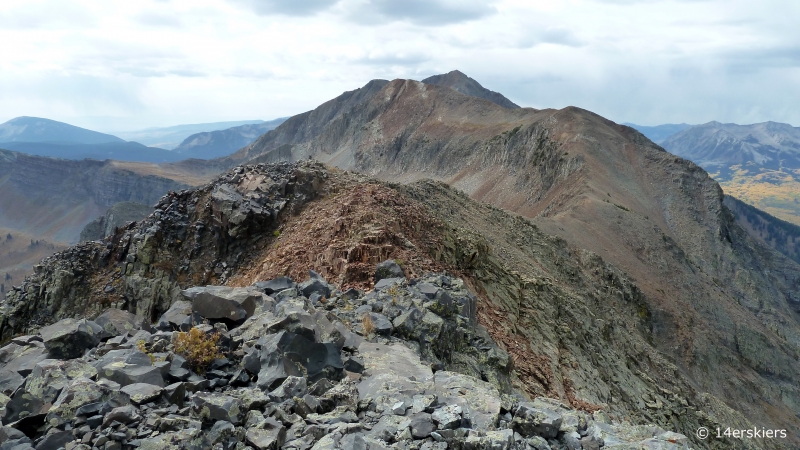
(166, 62)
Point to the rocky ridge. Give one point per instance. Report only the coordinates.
(576, 328)
(300, 366)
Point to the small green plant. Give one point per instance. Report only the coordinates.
(198, 348)
(142, 346)
(276, 233)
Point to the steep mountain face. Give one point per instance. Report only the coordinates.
(575, 327)
(659, 133)
(36, 129)
(459, 82)
(302, 126)
(118, 215)
(219, 143)
(773, 232)
(53, 198)
(723, 307)
(759, 164)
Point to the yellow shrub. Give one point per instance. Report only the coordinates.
(369, 326)
(198, 348)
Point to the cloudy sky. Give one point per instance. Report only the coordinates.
(117, 65)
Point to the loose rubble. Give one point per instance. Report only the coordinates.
(302, 366)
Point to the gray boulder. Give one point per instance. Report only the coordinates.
(126, 374)
(80, 392)
(116, 322)
(275, 285)
(315, 285)
(174, 316)
(140, 393)
(211, 407)
(269, 435)
(70, 338)
(536, 420)
(222, 302)
(287, 354)
(388, 269)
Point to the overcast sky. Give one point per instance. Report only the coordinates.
(116, 65)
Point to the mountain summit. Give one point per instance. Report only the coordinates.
(461, 83)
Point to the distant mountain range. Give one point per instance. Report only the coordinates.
(214, 144)
(45, 137)
(659, 133)
(170, 137)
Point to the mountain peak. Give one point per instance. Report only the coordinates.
(462, 83)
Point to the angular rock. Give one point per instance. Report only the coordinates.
(140, 393)
(448, 417)
(381, 324)
(479, 400)
(406, 323)
(287, 354)
(315, 285)
(174, 316)
(222, 302)
(388, 269)
(122, 414)
(275, 285)
(126, 374)
(271, 436)
(291, 387)
(535, 420)
(117, 322)
(70, 338)
(211, 407)
(79, 392)
(130, 356)
(396, 372)
(175, 394)
(421, 425)
(388, 282)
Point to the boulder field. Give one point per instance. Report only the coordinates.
(297, 366)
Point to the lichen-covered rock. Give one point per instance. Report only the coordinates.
(117, 322)
(126, 374)
(213, 407)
